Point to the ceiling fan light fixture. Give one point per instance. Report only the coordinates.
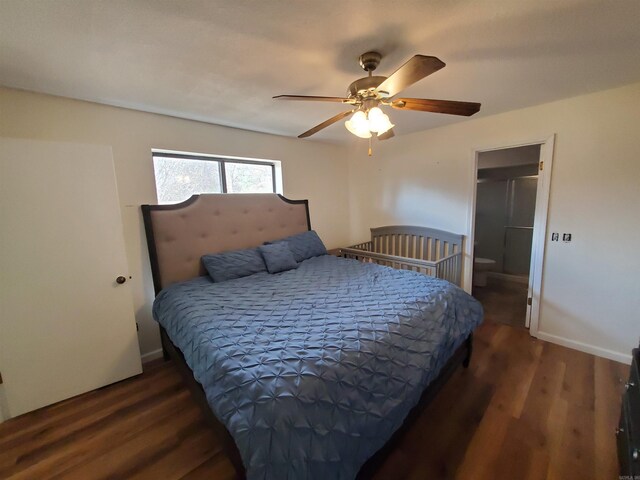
(376, 118)
(386, 128)
(358, 125)
(378, 121)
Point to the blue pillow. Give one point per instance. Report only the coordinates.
(304, 245)
(234, 264)
(278, 257)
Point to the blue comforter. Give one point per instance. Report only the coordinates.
(312, 370)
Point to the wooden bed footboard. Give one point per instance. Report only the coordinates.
(461, 356)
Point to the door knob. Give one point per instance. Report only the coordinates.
(120, 280)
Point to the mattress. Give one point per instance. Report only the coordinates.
(312, 370)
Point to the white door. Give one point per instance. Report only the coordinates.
(66, 325)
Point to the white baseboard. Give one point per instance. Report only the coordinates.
(585, 347)
(152, 355)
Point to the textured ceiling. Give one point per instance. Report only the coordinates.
(222, 61)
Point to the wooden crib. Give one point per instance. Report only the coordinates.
(421, 249)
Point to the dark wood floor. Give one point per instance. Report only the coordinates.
(525, 410)
(503, 301)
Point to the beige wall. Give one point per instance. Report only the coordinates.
(310, 170)
(591, 289)
(591, 286)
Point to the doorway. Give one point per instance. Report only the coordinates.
(507, 182)
(509, 214)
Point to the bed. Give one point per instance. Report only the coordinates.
(310, 373)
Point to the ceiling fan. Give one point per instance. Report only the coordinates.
(366, 95)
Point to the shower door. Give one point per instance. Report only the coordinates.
(518, 231)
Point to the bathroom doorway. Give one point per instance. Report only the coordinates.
(507, 213)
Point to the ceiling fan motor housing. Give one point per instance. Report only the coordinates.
(365, 86)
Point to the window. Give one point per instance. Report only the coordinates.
(179, 175)
(249, 177)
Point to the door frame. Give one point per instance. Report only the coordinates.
(539, 222)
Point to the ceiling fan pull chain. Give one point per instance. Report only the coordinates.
(370, 146)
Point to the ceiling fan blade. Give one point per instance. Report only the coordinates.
(325, 124)
(311, 98)
(418, 67)
(437, 106)
(386, 135)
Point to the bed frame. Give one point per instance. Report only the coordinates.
(421, 249)
(178, 235)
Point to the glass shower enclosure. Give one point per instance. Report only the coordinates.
(505, 211)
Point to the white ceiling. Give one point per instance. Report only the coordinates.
(222, 61)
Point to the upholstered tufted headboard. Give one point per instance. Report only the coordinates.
(178, 235)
